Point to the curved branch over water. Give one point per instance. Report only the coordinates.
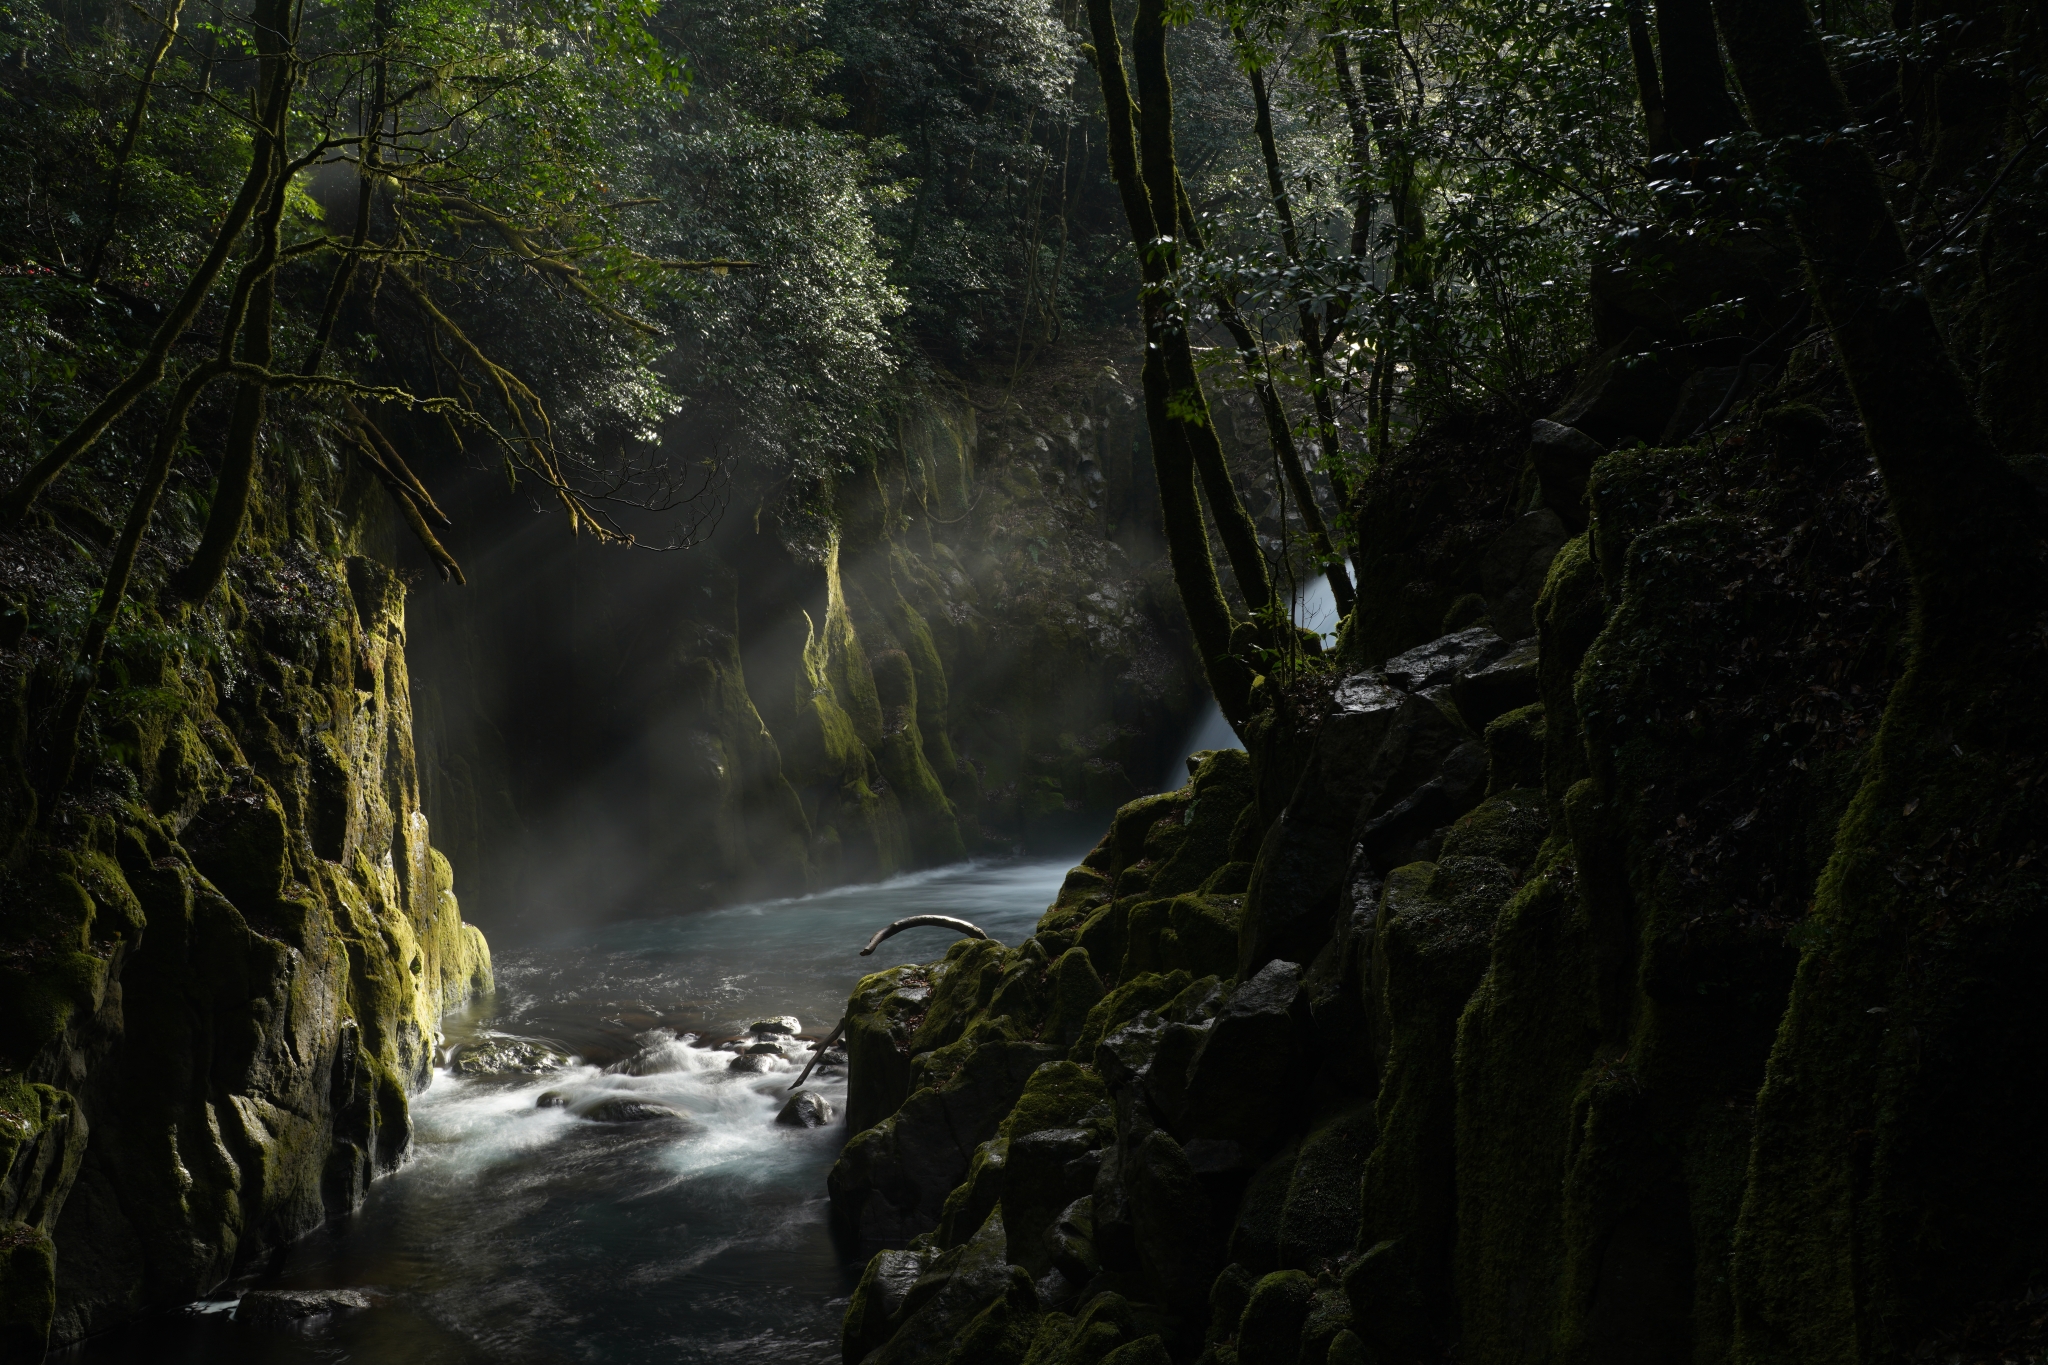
(919, 922)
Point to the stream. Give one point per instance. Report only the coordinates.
(519, 1233)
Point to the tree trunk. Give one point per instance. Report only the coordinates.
(1187, 542)
(245, 426)
(1188, 407)
(1312, 348)
(1696, 104)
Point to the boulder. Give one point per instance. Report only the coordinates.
(872, 1312)
(879, 1017)
(1375, 738)
(1002, 1332)
(782, 1024)
(1076, 989)
(1070, 1241)
(1514, 750)
(891, 1182)
(1255, 1237)
(1626, 393)
(620, 1109)
(1438, 662)
(1563, 457)
(500, 1056)
(1242, 1081)
(290, 1307)
(754, 1063)
(952, 1290)
(1045, 1176)
(1499, 686)
(1170, 1223)
(1514, 567)
(1405, 832)
(1319, 1218)
(1269, 1333)
(805, 1109)
(552, 1099)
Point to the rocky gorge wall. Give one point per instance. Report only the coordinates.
(226, 948)
(1436, 1026)
(981, 651)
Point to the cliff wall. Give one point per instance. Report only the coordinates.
(978, 650)
(1442, 1024)
(227, 945)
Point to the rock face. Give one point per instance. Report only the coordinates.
(984, 649)
(1440, 1022)
(227, 947)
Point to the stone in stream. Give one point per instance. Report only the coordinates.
(552, 1099)
(753, 1062)
(806, 1109)
(619, 1109)
(499, 1056)
(289, 1307)
(781, 1023)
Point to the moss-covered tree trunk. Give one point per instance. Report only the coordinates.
(1173, 456)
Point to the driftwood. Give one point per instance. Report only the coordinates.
(818, 1051)
(920, 921)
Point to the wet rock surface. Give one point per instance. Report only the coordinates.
(805, 1109)
(274, 1308)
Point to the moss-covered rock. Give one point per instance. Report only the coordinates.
(1269, 1333)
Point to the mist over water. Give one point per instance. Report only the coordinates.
(517, 1233)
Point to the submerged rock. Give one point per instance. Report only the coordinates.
(552, 1099)
(806, 1109)
(289, 1307)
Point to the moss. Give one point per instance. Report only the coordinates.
(1125, 1003)
(1105, 934)
(1219, 792)
(1469, 610)
(1255, 1235)
(1105, 1324)
(1058, 1095)
(1149, 1350)
(969, 1204)
(1319, 1220)
(880, 1015)
(1508, 828)
(1269, 1333)
(1912, 1026)
(28, 1291)
(1523, 1044)
(1002, 1333)
(1049, 1342)
(1569, 615)
(1514, 749)
(1077, 989)
(974, 969)
(1430, 950)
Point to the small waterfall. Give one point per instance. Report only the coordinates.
(1315, 608)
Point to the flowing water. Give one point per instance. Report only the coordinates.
(517, 1233)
